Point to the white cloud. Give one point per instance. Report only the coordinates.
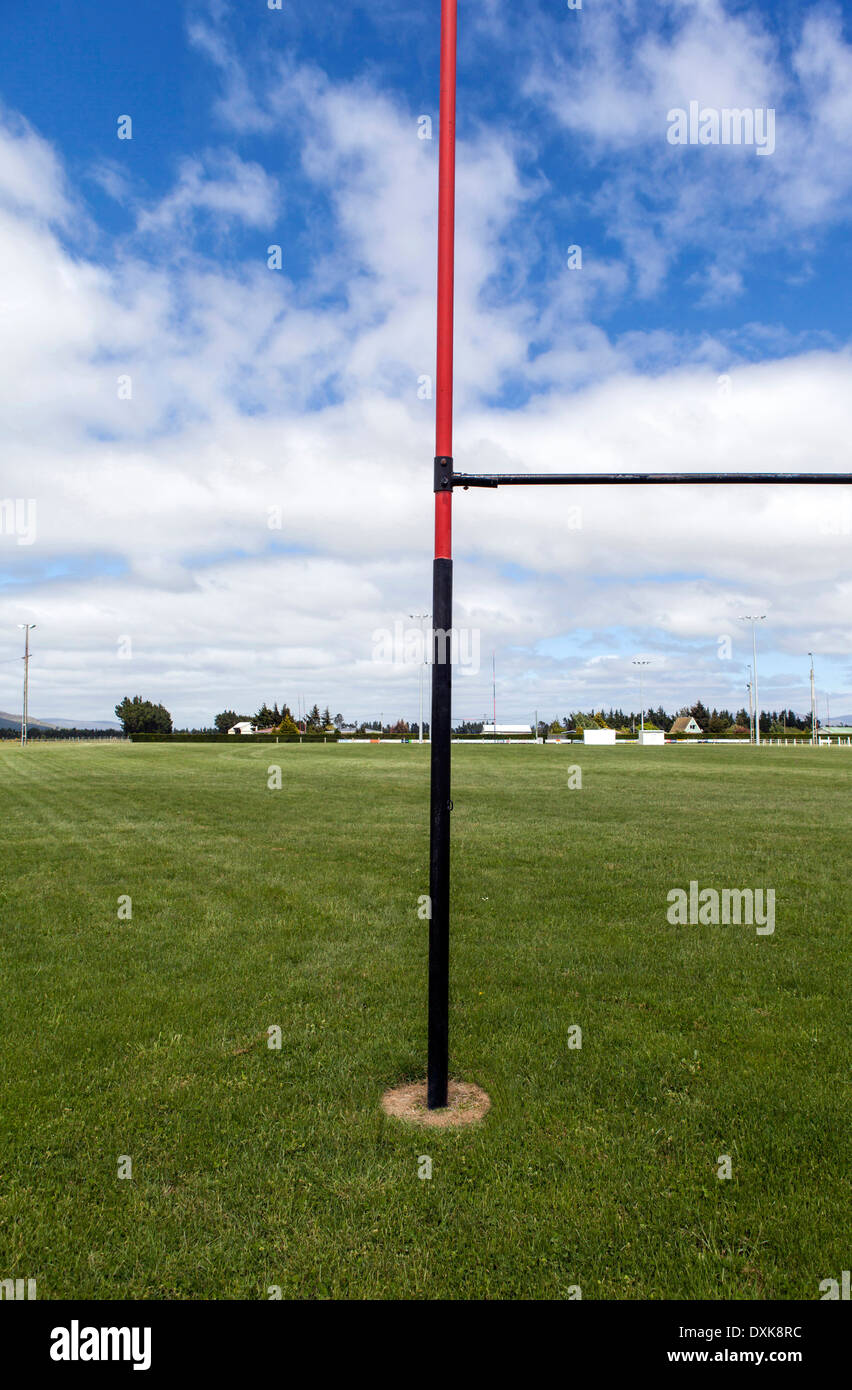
(237, 107)
(31, 177)
(720, 286)
(221, 185)
(619, 79)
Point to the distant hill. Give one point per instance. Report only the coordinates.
(106, 724)
(13, 721)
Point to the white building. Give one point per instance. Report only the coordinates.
(242, 727)
(599, 735)
(501, 730)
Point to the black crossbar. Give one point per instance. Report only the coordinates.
(466, 480)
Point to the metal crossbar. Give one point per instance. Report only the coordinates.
(466, 480)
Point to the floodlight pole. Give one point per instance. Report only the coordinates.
(754, 678)
(420, 617)
(642, 665)
(25, 706)
(442, 572)
(754, 619)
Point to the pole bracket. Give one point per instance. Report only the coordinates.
(444, 473)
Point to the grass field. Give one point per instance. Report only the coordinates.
(253, 1167)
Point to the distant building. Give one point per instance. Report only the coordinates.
(503, 729)
(243, 726)
(685, 725)
(842, 732)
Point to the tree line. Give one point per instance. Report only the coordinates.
(710, 721)
(140, 716)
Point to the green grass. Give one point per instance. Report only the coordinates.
(252, 907)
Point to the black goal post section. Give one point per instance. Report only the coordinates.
(446, 479)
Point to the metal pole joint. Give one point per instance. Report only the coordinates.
(444, 476)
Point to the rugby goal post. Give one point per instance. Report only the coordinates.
(446, 479)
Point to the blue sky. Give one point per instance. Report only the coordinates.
(76, 66)
(257, 507)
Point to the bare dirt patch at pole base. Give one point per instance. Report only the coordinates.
(467, 1104)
